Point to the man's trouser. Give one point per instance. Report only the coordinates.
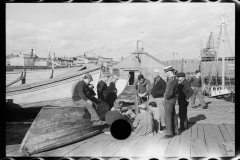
(170, 116)
(183, 113)
(160, 104)
(197, 91)
(91, 110)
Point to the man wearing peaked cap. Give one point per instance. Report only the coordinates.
(170, 117)
(79, 97)
(184, 93)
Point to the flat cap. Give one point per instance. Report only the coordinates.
(180, 74)
(197, 71)
(168, 68)
(88, 76)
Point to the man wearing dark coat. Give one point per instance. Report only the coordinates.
(170, 101)
(79, 97)
(142, 88)
(184, 93)
(102, 87)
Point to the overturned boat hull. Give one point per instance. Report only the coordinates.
(57, 126)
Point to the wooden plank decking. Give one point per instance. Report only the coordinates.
(211, 134)
(209, 142)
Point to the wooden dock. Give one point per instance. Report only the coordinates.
(200, 140)
(211, 134)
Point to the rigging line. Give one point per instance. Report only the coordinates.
(153, 48)
(156, 43)
(231, 53)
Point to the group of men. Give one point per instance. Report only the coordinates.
(165, 94)
(83, 94)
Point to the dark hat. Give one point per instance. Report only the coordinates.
(88, 76)
(180, 74)
(197, 71)
(168, 68)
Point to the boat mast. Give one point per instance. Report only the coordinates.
(223, 26)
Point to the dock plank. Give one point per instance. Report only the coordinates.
(225, 133)
(80, 148)
(161, 147)
(172, 150)
(220, 139)
(88, 151)
(194, 131)
(184, 148)
(127, 146)
(198, 148)
(139, 146)
(11, 148)
(233, 126)
(109, 148)
(230, 131)
(148, 151)
(211, 141)
(201, 132)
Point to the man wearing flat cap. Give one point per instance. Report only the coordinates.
(184, 93)
(79, 97)
(170, 101)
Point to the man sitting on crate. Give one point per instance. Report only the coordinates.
(142, 87)
(79, 97)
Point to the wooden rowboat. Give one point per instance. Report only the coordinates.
(62, 122)
(57, 126)
(49, 90)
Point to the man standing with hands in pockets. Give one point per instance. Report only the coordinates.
(170, 101)
(184, 93)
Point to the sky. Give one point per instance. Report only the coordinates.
(112, 30)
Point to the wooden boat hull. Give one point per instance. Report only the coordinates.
(53, 89)
(57, 126)
(37, 75)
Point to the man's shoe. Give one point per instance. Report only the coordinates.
(204, 107)
(167, 136)
(98, 123)
(181, 129)
(194, 107)
(107, 132)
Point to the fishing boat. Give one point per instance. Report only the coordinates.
(48, 90)
(212, 64)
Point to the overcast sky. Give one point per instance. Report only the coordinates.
(112, 29)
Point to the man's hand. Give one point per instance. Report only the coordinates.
(187, 100)
(141, 95)
(89, 102)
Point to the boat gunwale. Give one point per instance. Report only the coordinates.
(50, 81)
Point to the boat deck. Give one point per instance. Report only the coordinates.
(211, 134)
